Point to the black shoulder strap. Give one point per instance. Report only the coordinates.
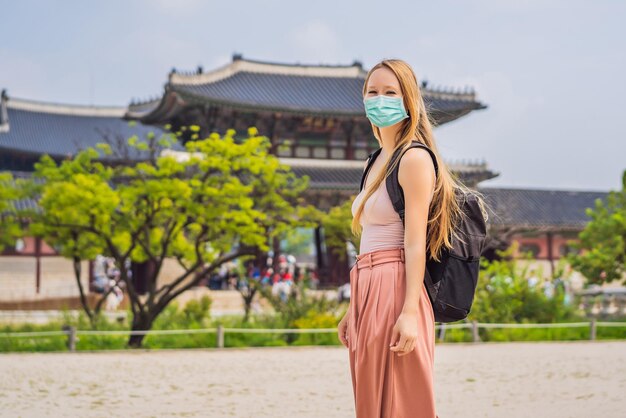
(370, 160)
(396, 194)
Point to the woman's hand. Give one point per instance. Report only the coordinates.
(404, 334)
(342, 328)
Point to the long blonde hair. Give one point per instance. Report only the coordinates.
(444, 212)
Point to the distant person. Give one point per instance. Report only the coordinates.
(115, 297)
(291, 264)
(314, 278)
(548, 288)
(281, 288)
(343, 292)
(532, 279)
(112, 271)
(100, 274)
(266, 278)
(567, 290)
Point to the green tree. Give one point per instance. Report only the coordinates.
(503, 293)
(337, 229)
(298, 241)
(603, 241)
(9, 223)
(226, 200)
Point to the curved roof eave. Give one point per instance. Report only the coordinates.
(174, 100)
(197, 98)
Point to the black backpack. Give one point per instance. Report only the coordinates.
(450, 282)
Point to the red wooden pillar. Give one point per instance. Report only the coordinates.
(550, 255)
(38, 263)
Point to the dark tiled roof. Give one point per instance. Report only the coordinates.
(290, 92)
(325, 95)
(538, 208)
(309, 89)
(59, 130)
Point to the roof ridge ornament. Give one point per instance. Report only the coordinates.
(4, 114)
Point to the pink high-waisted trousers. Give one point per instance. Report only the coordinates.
(386, 385)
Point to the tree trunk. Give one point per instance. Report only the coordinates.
(247, 300)
(143, 273)
(83, 299)
(276, 250)
(140, 323)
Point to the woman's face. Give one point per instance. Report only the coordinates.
(383, 82)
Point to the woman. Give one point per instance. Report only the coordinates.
(389, 328)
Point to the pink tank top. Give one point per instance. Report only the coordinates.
(382, 226)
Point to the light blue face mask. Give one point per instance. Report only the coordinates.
(384, 111)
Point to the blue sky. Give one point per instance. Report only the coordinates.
(552, 72)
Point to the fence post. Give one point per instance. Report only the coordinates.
(220, 336)
(71, 337)
(475, 335)
(592, 329)
(442, 332)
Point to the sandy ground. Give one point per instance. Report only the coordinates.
(551, 379)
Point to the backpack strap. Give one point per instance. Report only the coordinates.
(396, 194)
(370, 161)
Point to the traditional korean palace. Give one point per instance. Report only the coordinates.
(314, 118)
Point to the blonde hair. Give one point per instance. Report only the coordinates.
(445, 211)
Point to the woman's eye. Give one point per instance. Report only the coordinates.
(388, 92)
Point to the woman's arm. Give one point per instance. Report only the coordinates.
(416, 176)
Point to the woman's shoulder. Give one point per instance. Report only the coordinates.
(416, 162)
